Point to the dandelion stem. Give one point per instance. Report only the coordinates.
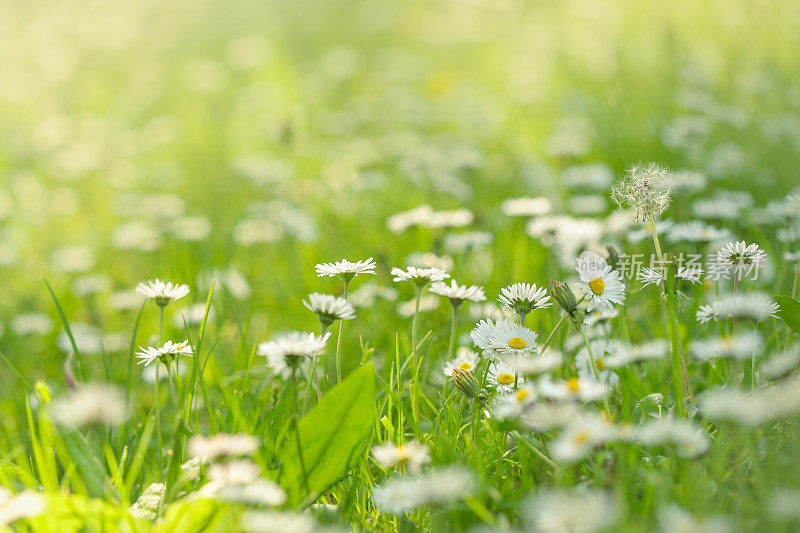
(680, 372)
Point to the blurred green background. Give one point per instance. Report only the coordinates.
(248, 140)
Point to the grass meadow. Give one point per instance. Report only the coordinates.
(400, 265)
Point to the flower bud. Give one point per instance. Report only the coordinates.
(466, 382)
(564, 296)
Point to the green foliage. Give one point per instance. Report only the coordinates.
(790, 312)
(333, 436)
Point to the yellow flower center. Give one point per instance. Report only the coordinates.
(517, 343)
(521, 395)
(572, 384)
(598, 286)
(505, 379)
(466, 367)
(581, 437)
(600, 364)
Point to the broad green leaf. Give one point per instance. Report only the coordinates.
(332, 435)
(790, 312)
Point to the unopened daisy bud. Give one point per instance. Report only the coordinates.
(565, 298)
(466, 382)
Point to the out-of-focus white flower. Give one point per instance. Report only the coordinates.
(576, 511)
(689, 440)
(733, 347)
(528, 365)
(277, 522)
(526, 207)
(780, 400)
(578, 389)
(25, 504)
(92, 404)
(149, 503)
(413, 455)
(221, 445)
(676, 520)
(443, 485)
(580, 437)
(513, 405)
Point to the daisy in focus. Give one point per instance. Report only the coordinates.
(162, 292)
(742, 258)
(524, 298)
(329, 308)
(166, 353)
(599, 284)
(502, 377)
(285, 353)
(420, 276)
(456, 293)
(345, 269)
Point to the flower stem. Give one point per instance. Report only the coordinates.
(453, 328)
(415, 357)
(339, 340)
(594, 366)
(682, 387)
(553, 333)
(296, 430)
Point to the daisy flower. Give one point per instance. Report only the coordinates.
(755, 306)
(584, 390)
(538, 364)
(510, 338)
(524, 298)
(600, 285)
(576, 511)
(166, 353)
(482, 335)
(741, 256)
(221, 445)
(730, 347)
(458, 293)
(420, 276)
(345, 269)
(697, 232)
(655, 276)
(513, 405)
(502, 377)
(93, 404)
(580, 438)
(329, 308)
(526, 207)
(163, 292)
(286, 352)
(413, 455)
(466, 360)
